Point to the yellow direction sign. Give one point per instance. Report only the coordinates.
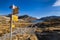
(13, 26)
(14, 18)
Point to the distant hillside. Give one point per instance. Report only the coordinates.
(27, 18)
(23, 16)
(50, 21)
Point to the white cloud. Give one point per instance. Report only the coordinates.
(57, 3)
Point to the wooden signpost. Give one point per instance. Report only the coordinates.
(13, 18)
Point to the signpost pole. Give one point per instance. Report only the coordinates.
(11, 27)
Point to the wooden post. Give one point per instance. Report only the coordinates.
(11, 27)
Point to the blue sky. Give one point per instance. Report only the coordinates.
(35, 8)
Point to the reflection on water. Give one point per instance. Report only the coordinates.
(37, 21)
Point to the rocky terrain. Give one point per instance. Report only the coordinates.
(47, 28)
